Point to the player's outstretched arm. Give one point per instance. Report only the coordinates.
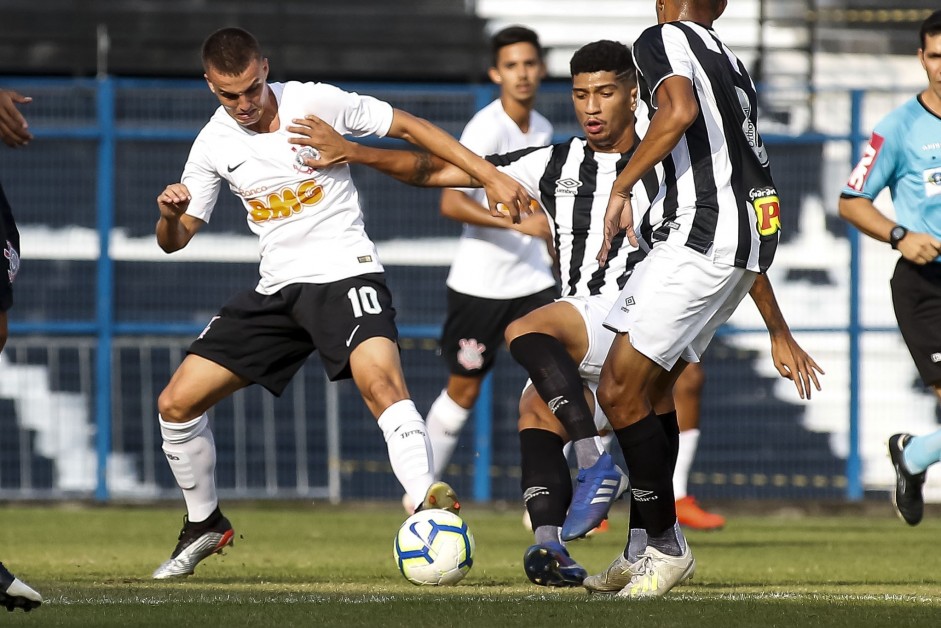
(789, 358)
(175, 228)
(458, 206)
(14, 129)
(414, 168)
(504, 194)
(916, 247)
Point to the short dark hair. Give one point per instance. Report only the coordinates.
(604, 56)
(230, 50)
(513, 35)
(930, 27)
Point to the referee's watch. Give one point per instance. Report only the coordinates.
(895, 236)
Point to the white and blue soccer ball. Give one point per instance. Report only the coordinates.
(434, 547)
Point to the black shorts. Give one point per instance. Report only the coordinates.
(916, 294)
(473, 331)
(10, 262)
(266, 338)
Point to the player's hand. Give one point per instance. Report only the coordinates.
(173, 201)
(506, 196)
(619, 216)
(534, 223)
(795, 364)
(329, 147)
(14, 129)
(919, 248)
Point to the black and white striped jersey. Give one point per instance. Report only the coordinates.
(573, 183)
(719, 196)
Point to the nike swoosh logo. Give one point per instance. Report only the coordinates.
(235, 167)
(352, 333)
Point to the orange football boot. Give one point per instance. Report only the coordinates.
(690, 515)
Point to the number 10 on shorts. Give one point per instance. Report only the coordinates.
(364, 300)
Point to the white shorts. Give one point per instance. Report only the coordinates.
(593, 310)
(674, 302)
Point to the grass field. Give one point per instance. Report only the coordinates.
(321, 565)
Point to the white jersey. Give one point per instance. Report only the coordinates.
(516, 265)
(309, 222)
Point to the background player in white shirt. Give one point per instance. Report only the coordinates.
(321, 284)
(519, 275)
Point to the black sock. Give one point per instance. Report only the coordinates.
(649, 458)
(672, 429)
(557, 380)
(546, 481)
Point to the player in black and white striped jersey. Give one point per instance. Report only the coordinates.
(712, 232)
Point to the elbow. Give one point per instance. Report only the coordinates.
(167, 248)
(844, 208)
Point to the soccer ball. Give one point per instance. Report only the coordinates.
(434, 547)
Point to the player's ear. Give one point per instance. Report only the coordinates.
(212, 87)
(264, 68)
(720, 8)
(633, 98)
(495, 76)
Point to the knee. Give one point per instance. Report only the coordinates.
(382, 392)
(514, 330)
(173, 408)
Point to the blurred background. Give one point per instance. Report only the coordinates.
(102, 316)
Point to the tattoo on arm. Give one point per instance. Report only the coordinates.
(425, 167)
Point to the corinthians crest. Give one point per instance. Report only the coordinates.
(471, 354)
(306, 152)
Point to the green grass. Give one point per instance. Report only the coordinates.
(320, 565)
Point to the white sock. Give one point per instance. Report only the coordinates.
(444, 422)
(409, 448)
(689, 441)
(191, 453)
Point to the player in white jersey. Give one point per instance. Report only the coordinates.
(712, 231)
(321, 284)
(563, 344)
(519, 277)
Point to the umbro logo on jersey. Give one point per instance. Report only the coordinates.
(235, 167)
(643, 496)
(567, 186)
(628, 302)
(556, 403)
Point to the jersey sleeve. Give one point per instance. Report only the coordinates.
(526, 166)
(659, 53)
(353, 114)
(202, 181)
(876, 168)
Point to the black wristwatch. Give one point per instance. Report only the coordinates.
(895, 236)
